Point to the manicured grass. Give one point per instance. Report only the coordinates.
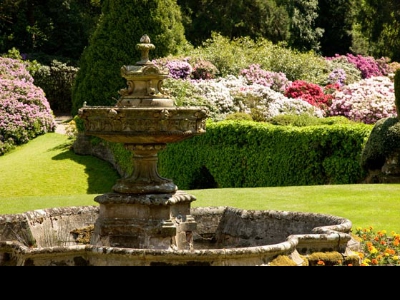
(45, 173)
(376, 205)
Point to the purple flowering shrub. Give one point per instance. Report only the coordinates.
(368, 65)
(342, 71)
(337, 76)
(178, 68)
(365, 101)
(24, 110)
(277, 81)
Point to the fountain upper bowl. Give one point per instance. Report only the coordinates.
(143, 125)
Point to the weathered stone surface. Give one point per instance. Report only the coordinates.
(224, 236)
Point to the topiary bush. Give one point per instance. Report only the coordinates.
(383, 140)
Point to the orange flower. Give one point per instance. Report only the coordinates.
(374, 261)
(320, 263)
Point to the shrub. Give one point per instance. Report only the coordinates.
(383, 140)
(24, 110)
(179, 69)
(277, 81)
(203, 69)
(337, 65)
(113, 44)
(368, 66)
(397, 91)
(366, 101)
(309, 92)
(56, 81)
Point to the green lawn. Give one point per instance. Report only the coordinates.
(46, 173)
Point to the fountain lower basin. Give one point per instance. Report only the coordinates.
(225, 236)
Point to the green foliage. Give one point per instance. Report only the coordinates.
(307, 120)
(56, 81)
(397, 91)
(379, 22)
(383, 141)
(336, 18)
(304, 35)
(113, 44)
(55, 28)
(253, 154)
(294, 120)
(234, 19)
(123, 158)
(239, 116)
(231, 56)
(307, 66)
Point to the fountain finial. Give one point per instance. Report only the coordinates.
(144, 46)
(144, 81)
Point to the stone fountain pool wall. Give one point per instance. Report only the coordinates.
(225, 236)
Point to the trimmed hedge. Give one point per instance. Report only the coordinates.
(251, 154)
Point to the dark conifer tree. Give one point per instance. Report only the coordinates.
(335, 17)
(113, 45)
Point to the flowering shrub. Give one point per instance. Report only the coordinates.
(179, 69)
(309, 92)
(217, 93)
(367, 65)
(365, 101)
(393, 66)
(203, 69)
(24, 110)
(337, 64)
(337, 76)
(277, 81)
(265, 103)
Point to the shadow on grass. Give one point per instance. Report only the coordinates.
(101, 174)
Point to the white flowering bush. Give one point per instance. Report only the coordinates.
(366, 101)
(233, 94)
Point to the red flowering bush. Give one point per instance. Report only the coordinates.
(311, 93)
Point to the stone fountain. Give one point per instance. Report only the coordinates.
(145, 219)
(144, 211)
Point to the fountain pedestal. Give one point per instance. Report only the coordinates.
(147, 221)
(145, 210)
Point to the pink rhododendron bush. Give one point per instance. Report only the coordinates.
(24, 110)
(367, 100)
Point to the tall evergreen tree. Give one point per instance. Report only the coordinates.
(234, 19)
(304, 35)
(52, 28)
(113, 45)
(336, 18)
(380, 25)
